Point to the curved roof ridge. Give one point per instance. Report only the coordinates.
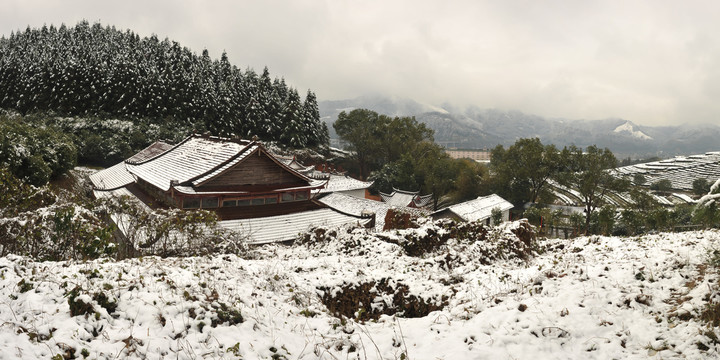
(405, 191)
(161, 154)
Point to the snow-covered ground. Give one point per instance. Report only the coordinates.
(587, 298)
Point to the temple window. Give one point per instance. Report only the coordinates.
(191, 203)
(211, 202)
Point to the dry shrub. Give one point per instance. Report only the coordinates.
(711, 314)
(525, 232)
(418, 245)
(358, 301)
(318, 235)
(397, 219)
(434, 237)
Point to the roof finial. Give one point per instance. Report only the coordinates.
(255, 138)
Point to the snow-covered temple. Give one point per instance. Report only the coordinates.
(253, 191)
(236, 178)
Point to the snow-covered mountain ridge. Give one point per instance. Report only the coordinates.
(485, 128)
(628, 128)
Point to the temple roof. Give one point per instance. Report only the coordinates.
(406, 198)
(342, 183)
(197, 160)
(149, 152)
(234, 160)
(292, 163)
(193, 157)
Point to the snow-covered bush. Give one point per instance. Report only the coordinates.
(369, 300)
(398, 219)
(35, 222)
(706, 211)
(35, 153)
(19, 197)
(56, 232)
(168, 232)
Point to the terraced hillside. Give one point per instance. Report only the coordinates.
(680, 170)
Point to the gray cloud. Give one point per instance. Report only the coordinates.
(653, 62)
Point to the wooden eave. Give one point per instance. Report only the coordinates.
(247, 190)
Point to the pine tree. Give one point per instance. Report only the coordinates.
(293, 132)
(316, 129)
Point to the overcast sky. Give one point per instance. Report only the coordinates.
(652, 62)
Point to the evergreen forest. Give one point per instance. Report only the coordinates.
(101, 73)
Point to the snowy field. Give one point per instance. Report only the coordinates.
(587, 298)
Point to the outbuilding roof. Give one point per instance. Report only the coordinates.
(480, 208)
(118, 176)
(155, 149)
(290, 226)
(112, 178)
(358, 207)
(336, 183)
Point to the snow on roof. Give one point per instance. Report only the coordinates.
(155, 149)
(662, 200)
(118, 176)
(356, 206)
(112, 178)
(684, 197)
(192, 158)
(292, 163)
(480, 208)
(406, 198)
(344, 183)
(288, 227)
(107, 194)
(315, 174)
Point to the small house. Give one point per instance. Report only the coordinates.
(479, 209)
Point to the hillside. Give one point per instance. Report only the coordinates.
(485, 128)
(97, 72)
(589, 297)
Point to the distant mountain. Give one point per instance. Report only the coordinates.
(329, 110)
(628, 127)
(486, 128)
